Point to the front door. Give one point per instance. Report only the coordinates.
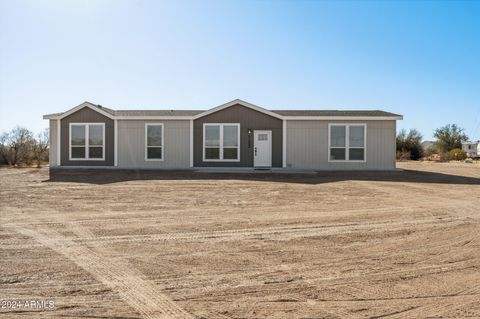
(262, 148)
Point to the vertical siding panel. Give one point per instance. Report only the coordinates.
(131, 144)
(87, 115)
(307, 146)
(52, 151)
(248, 119)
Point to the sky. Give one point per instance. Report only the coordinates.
(420, 59)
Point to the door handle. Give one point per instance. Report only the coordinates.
(255, 151)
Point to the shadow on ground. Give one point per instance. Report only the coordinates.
(102, 176)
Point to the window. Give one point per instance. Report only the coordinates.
(87, 141)
(154, 142)
(347, 142)
(221, 142)
(263, 137)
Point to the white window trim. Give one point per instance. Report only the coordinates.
(59, 142)
(115, 142)
(221, 147)
(146, 145)
(87, 144)
(347, 142)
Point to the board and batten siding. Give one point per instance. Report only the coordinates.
(87, 115)
(248, 119)
(131, 144)
(307, 146)
(52, 150)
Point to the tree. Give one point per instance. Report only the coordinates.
(40, 147)
(16, 146)
(409, 145)
(4, 150)
(20, 144)
(449, 137)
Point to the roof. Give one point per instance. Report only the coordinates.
(194, 114)
(157, 112)
(139, 112)
(333, 113)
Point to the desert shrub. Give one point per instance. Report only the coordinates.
(409, 143)
(403, 155)
(457, 155)
(444, 156)
(449, 137)
(431, 153)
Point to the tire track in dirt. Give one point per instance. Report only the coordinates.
(78, 230)
(126, 218)
(274, 232)
(433, 309)
(136, 291)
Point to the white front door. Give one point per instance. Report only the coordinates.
(262, 148)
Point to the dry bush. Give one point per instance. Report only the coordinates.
(409, 144)
(457, 155)
(20, 147)
(403, 155)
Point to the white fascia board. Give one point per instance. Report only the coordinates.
(238, 101)
(186, 118)
(79, 107)
(343, 118)
(288, 118)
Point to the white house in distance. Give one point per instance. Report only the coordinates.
(471, 148)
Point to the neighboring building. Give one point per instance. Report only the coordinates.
(471, 148)
(235, 134)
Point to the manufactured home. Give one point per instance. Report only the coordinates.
(235, 134)
(472, 149)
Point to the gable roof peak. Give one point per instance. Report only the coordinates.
(241, 102)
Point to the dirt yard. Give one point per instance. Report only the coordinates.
(403, 244)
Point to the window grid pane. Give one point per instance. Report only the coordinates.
(212, 135)
(95, 152)
(230, 153)
(95, 135)
(212, 153)
(230, 135)
(154, 152)
(78, 135)
(337, 136)
(154, 135)
(337, 154)
(356, 136)
(78, 152)
(356, 154)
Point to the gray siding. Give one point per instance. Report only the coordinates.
(248, 119)
(131, 144)
(87, 115)
(307, 146)
(52, 151)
